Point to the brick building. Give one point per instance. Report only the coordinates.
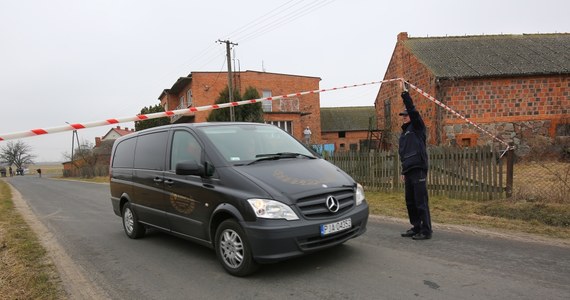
(292, 114)
(515, 86)
(347, 128)
(98, 163)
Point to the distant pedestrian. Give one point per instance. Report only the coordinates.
(39, 172)
(307, 135)
(414, 159)
(11, 171)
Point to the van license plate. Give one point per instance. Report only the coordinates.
(336, 227)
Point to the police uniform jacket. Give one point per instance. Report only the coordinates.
(412, 143)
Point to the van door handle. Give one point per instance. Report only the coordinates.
(157, 179)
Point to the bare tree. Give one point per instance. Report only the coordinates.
(16, 153)
(83, 160)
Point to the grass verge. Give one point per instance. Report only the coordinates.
(25, 270)
(545, 219)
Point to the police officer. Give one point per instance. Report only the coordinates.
(414, 159)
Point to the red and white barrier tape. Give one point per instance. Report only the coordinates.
(431, 98)
(170, 113)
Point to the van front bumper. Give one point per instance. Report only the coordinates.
(276, 240)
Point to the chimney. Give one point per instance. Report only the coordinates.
(118, 127)
(402, 36)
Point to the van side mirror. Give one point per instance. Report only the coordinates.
(189, 167)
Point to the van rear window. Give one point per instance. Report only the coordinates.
(123, 157)
(151, 151)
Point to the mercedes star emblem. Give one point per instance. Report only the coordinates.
(332, 204)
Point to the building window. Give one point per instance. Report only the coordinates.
(285, 125)
(466, 139)
(341, 134)
(290, 104)
(189, 98)
(267, 106)
(181, 102)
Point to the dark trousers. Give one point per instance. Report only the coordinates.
(417, 200)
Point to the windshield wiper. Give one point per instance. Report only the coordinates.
(280, 155)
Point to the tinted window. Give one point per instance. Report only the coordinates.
(184, 147)
(151, 151)
(123, 157)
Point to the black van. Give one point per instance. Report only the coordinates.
(250, 191)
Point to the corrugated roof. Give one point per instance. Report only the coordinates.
(493, 55)
(353, 118)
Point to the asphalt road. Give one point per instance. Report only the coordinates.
(377, 265)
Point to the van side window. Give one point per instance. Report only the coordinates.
(151, 151)
(184, 147)
(123, 157)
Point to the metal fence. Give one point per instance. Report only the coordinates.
(468, 173)
(542, 181)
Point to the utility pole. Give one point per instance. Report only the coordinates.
(73, 136)
(230, 81)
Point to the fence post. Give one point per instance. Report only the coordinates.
(510, 172)
(396, 170)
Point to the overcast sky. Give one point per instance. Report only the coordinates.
(80, 61)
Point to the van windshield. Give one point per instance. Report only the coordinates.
(245, 143)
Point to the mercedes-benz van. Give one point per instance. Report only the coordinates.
(250, 191)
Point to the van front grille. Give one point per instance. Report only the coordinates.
(314, 207)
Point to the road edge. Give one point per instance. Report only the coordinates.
(497, 233)
(75, 282)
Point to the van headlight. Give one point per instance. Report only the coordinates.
(359, 194)
(271, 209)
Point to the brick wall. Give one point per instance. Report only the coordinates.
(405, 65)
(517, 110)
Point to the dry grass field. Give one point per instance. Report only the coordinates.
(51, 169)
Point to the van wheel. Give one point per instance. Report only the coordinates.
(131, 224)
(233, 250)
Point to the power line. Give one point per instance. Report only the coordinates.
(267, 15)
(307, 9)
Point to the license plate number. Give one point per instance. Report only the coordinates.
(336, 227)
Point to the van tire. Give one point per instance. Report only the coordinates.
(133, 228)
(233, 249)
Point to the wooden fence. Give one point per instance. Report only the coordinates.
(468, 173)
